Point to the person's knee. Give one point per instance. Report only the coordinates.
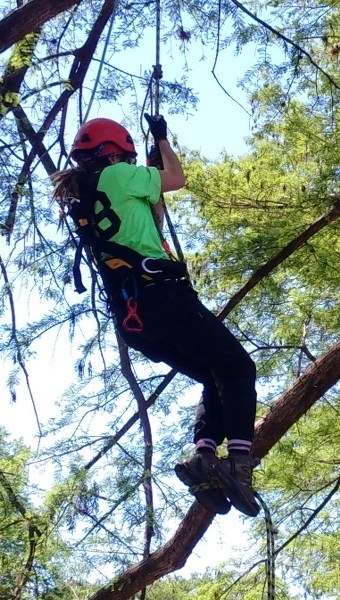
(243, 366)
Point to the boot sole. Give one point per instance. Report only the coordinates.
(234, 492)
(212, 499)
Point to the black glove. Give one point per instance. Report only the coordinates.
(157, 126)
(155, 157)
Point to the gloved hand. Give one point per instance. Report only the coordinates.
(157, 126)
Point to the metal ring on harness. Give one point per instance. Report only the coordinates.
(146, 268)
(133, 317)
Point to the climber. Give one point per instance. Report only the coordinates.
(155, 308)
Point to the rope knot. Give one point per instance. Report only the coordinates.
(157, 72)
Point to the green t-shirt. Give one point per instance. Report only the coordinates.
(131, 190)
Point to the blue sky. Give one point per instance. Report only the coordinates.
(217, 124)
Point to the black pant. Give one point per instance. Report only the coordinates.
(180, 331)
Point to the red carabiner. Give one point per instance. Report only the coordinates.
(136, 326)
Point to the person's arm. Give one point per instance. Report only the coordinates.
(172, 176)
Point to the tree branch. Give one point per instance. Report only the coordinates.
(289, 407)
(28, 18)
(281, 36)
(77, 75)
(293, 537)
(33, 535)
(115, 438)
(312, 516)
(331, 215)
(19, 356)
(148, 447)
(16, 69)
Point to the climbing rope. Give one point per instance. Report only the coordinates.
(270, 562)
(157, 74)
(153, 94)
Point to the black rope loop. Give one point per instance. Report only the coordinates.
(270, 562)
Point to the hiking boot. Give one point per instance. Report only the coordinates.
(235, 474)
(195, 472)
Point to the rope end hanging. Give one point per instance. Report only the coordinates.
(270, 562)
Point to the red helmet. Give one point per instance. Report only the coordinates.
(102, 132)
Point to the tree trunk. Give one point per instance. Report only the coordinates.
(286, 411)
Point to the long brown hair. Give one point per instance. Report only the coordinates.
(66, 185)
(66, 189)
(67, 182)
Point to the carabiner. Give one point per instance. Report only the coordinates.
(146, 269)
(136, 325)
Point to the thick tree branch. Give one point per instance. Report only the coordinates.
(289, 407)
(16, 68)
(28, 18)
(297, 400)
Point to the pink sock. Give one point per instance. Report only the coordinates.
(207, 444)
(236, 445)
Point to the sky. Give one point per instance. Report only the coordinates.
(217, 124)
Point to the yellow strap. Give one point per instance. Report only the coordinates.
(116, 263)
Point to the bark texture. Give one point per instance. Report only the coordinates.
(297, 400)
(286, 411)
(29, 17)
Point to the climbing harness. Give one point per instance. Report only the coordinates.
(270, 562)
(123, 270)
